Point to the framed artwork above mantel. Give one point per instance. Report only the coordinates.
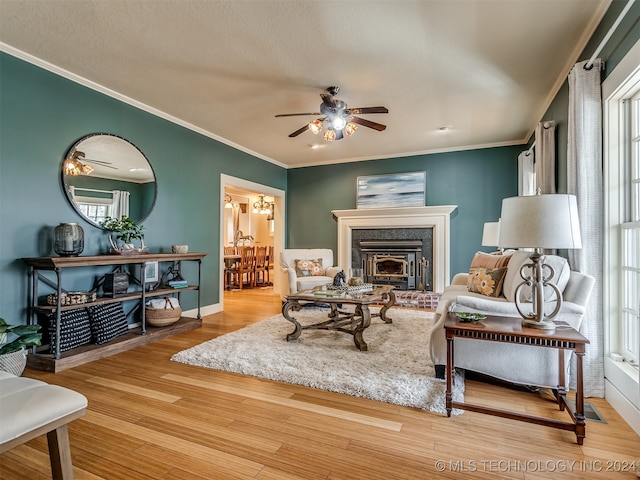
(391, 190)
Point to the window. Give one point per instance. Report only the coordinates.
(630, 232)
(621, 91)
(97, 209)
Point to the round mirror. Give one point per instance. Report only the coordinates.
(104, 175)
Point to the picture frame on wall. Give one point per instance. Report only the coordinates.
(391, 190)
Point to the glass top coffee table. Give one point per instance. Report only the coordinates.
(353, 323)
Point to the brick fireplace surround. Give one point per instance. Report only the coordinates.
(437, 218)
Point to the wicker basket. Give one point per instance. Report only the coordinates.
(14, 362)
(162, 317)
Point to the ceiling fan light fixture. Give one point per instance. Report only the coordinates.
(350, 129)
(315, 126)
(330, 135)
(75, 167)
(338, 122)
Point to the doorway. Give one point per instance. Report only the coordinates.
(244, 194)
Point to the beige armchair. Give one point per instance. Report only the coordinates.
(306, 268)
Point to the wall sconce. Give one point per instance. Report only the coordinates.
(227, 201)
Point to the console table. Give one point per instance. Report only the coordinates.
(510, 330)
(57, 361)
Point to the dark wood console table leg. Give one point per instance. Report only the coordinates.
(579, 415)
(449, 374)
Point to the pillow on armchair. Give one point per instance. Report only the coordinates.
(309, 268)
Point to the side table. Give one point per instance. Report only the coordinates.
(510, 330)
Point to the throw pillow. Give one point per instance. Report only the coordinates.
(75, 329)
(108, 321)
(486, 281)
(309, 268)
(486, 274)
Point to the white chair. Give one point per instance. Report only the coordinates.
(30, 408)
(320, 273)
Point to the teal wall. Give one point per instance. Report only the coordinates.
(474, 180)
(41, 116)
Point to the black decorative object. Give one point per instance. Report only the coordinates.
(340, 279)
(115, 284)
(68, 239)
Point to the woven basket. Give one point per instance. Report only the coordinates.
(162, 317)
(14, 362)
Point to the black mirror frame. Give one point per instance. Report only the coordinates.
(68, 195)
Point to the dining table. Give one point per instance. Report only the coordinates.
(229, 261)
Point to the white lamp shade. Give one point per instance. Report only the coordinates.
(540, 221)
(491, 234)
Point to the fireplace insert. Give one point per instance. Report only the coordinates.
(392, 262)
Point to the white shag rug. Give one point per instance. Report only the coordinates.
(396, 369)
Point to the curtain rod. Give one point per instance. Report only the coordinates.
(93, 190)
(531, 148)
(606, 38)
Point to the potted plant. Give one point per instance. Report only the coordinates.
(13, 340)
(126, 231)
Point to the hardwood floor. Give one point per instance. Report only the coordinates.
(150, 418)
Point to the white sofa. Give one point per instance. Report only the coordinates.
(520, 364)
(295, 282)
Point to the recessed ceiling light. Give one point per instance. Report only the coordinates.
(444, 128)
(314, 145)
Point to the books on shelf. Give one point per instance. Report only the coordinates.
(178, 283)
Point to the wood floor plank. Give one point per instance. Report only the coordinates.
(153, 419)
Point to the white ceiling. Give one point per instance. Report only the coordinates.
(487, 68)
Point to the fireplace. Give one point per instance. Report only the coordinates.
(430, 225)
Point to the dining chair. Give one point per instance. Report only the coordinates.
(261, 267)
(244, 267)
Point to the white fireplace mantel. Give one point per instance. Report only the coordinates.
(437, 217)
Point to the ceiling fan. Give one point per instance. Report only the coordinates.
(77, 164)
(338, 120)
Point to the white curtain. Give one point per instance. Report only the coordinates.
(526, 174)
(584, 180)
(545, 157)
(120, 203)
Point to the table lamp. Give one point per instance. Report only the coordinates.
(539, 222)
(491, 235)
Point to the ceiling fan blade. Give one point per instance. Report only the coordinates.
(299, 131)
(102, 164)
(296, 114)
(328, 100)
(358, 111)
(368, 123)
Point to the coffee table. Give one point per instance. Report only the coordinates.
(353, 323)
(510, 330)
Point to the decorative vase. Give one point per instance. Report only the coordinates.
(68, 239)
(14, 362)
